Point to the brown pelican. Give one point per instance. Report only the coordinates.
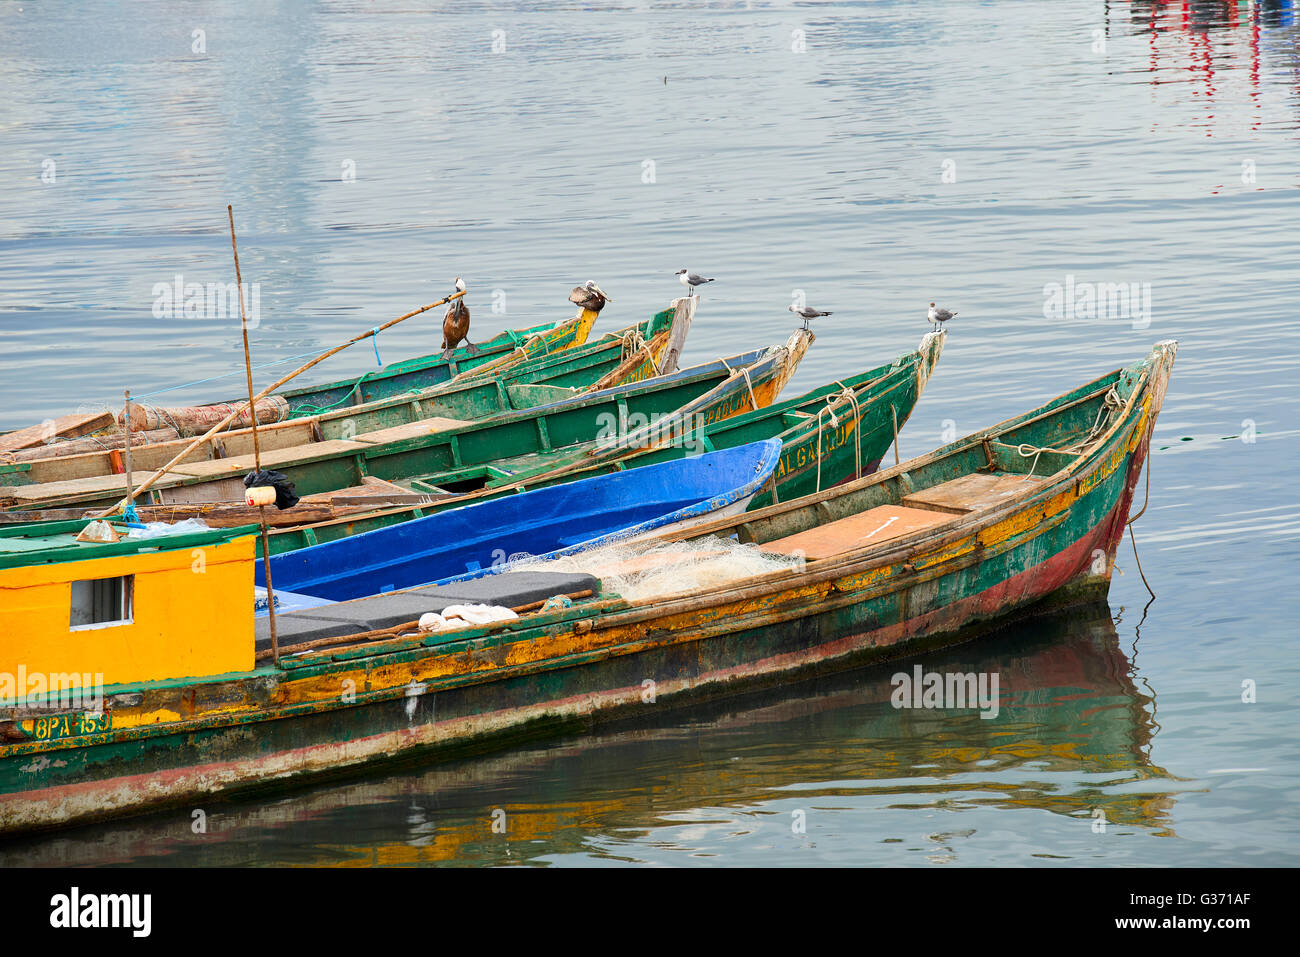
(589, 296)
(455, 325)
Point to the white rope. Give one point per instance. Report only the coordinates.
(634, 342)
(1110, 402)
(731, 373)
(829, 409)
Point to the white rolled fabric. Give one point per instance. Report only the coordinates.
(478, 614)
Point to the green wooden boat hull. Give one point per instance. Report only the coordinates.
(1062, 672)
(536, 381)
(427, 446)
(827, 438)
(1051, 545)
(424, 372)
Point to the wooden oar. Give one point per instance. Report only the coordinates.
(239, 409)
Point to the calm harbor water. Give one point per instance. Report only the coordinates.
(877, 155)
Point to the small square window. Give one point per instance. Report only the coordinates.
(102, 601)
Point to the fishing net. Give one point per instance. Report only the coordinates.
(637, 572)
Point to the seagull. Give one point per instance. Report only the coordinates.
(590, 296)
(455, 325)
(691, 279)
(806, 313)
(939, 316)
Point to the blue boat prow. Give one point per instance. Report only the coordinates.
(478, 539)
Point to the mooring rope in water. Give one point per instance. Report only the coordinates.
(1146, 500)
(224, 375)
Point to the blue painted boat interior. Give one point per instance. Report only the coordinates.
(477, 539)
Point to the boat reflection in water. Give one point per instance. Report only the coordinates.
(1072, 736)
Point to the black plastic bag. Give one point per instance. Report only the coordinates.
(285, 497)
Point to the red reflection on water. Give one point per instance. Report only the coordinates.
(1206, 38)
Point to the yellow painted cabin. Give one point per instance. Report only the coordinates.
(136, 610)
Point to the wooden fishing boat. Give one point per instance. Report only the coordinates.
(1013, 519)
(395, 379)
(625, 356)
(548, 522)
(719, 389)
(502, 351)
(829, 435)
(1070, 707)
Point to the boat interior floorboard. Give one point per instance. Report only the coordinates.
(871, 527)
(970, 493)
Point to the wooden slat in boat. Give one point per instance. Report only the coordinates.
(65, 426)
(94, 443)
(871, 527)
(411, 430)
(271, 458)
(970, 493)
(93, 486)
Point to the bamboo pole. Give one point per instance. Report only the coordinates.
(206, 436)
(257, 448)
(129, 483)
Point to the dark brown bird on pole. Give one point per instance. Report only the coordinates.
(455, 325)
(589, 296)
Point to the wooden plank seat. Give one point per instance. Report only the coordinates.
(65, 426)
(30, 496)
(242, 464)
(970, 493)
(410, 430)
(875, 525)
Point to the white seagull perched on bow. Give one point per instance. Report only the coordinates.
(806, 313)
(691, 279)
(939, 316)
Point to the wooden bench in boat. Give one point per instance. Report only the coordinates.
(410, 430)
(970, 493)
(871, 527)
(927, 508)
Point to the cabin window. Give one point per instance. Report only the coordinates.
(102, 601)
